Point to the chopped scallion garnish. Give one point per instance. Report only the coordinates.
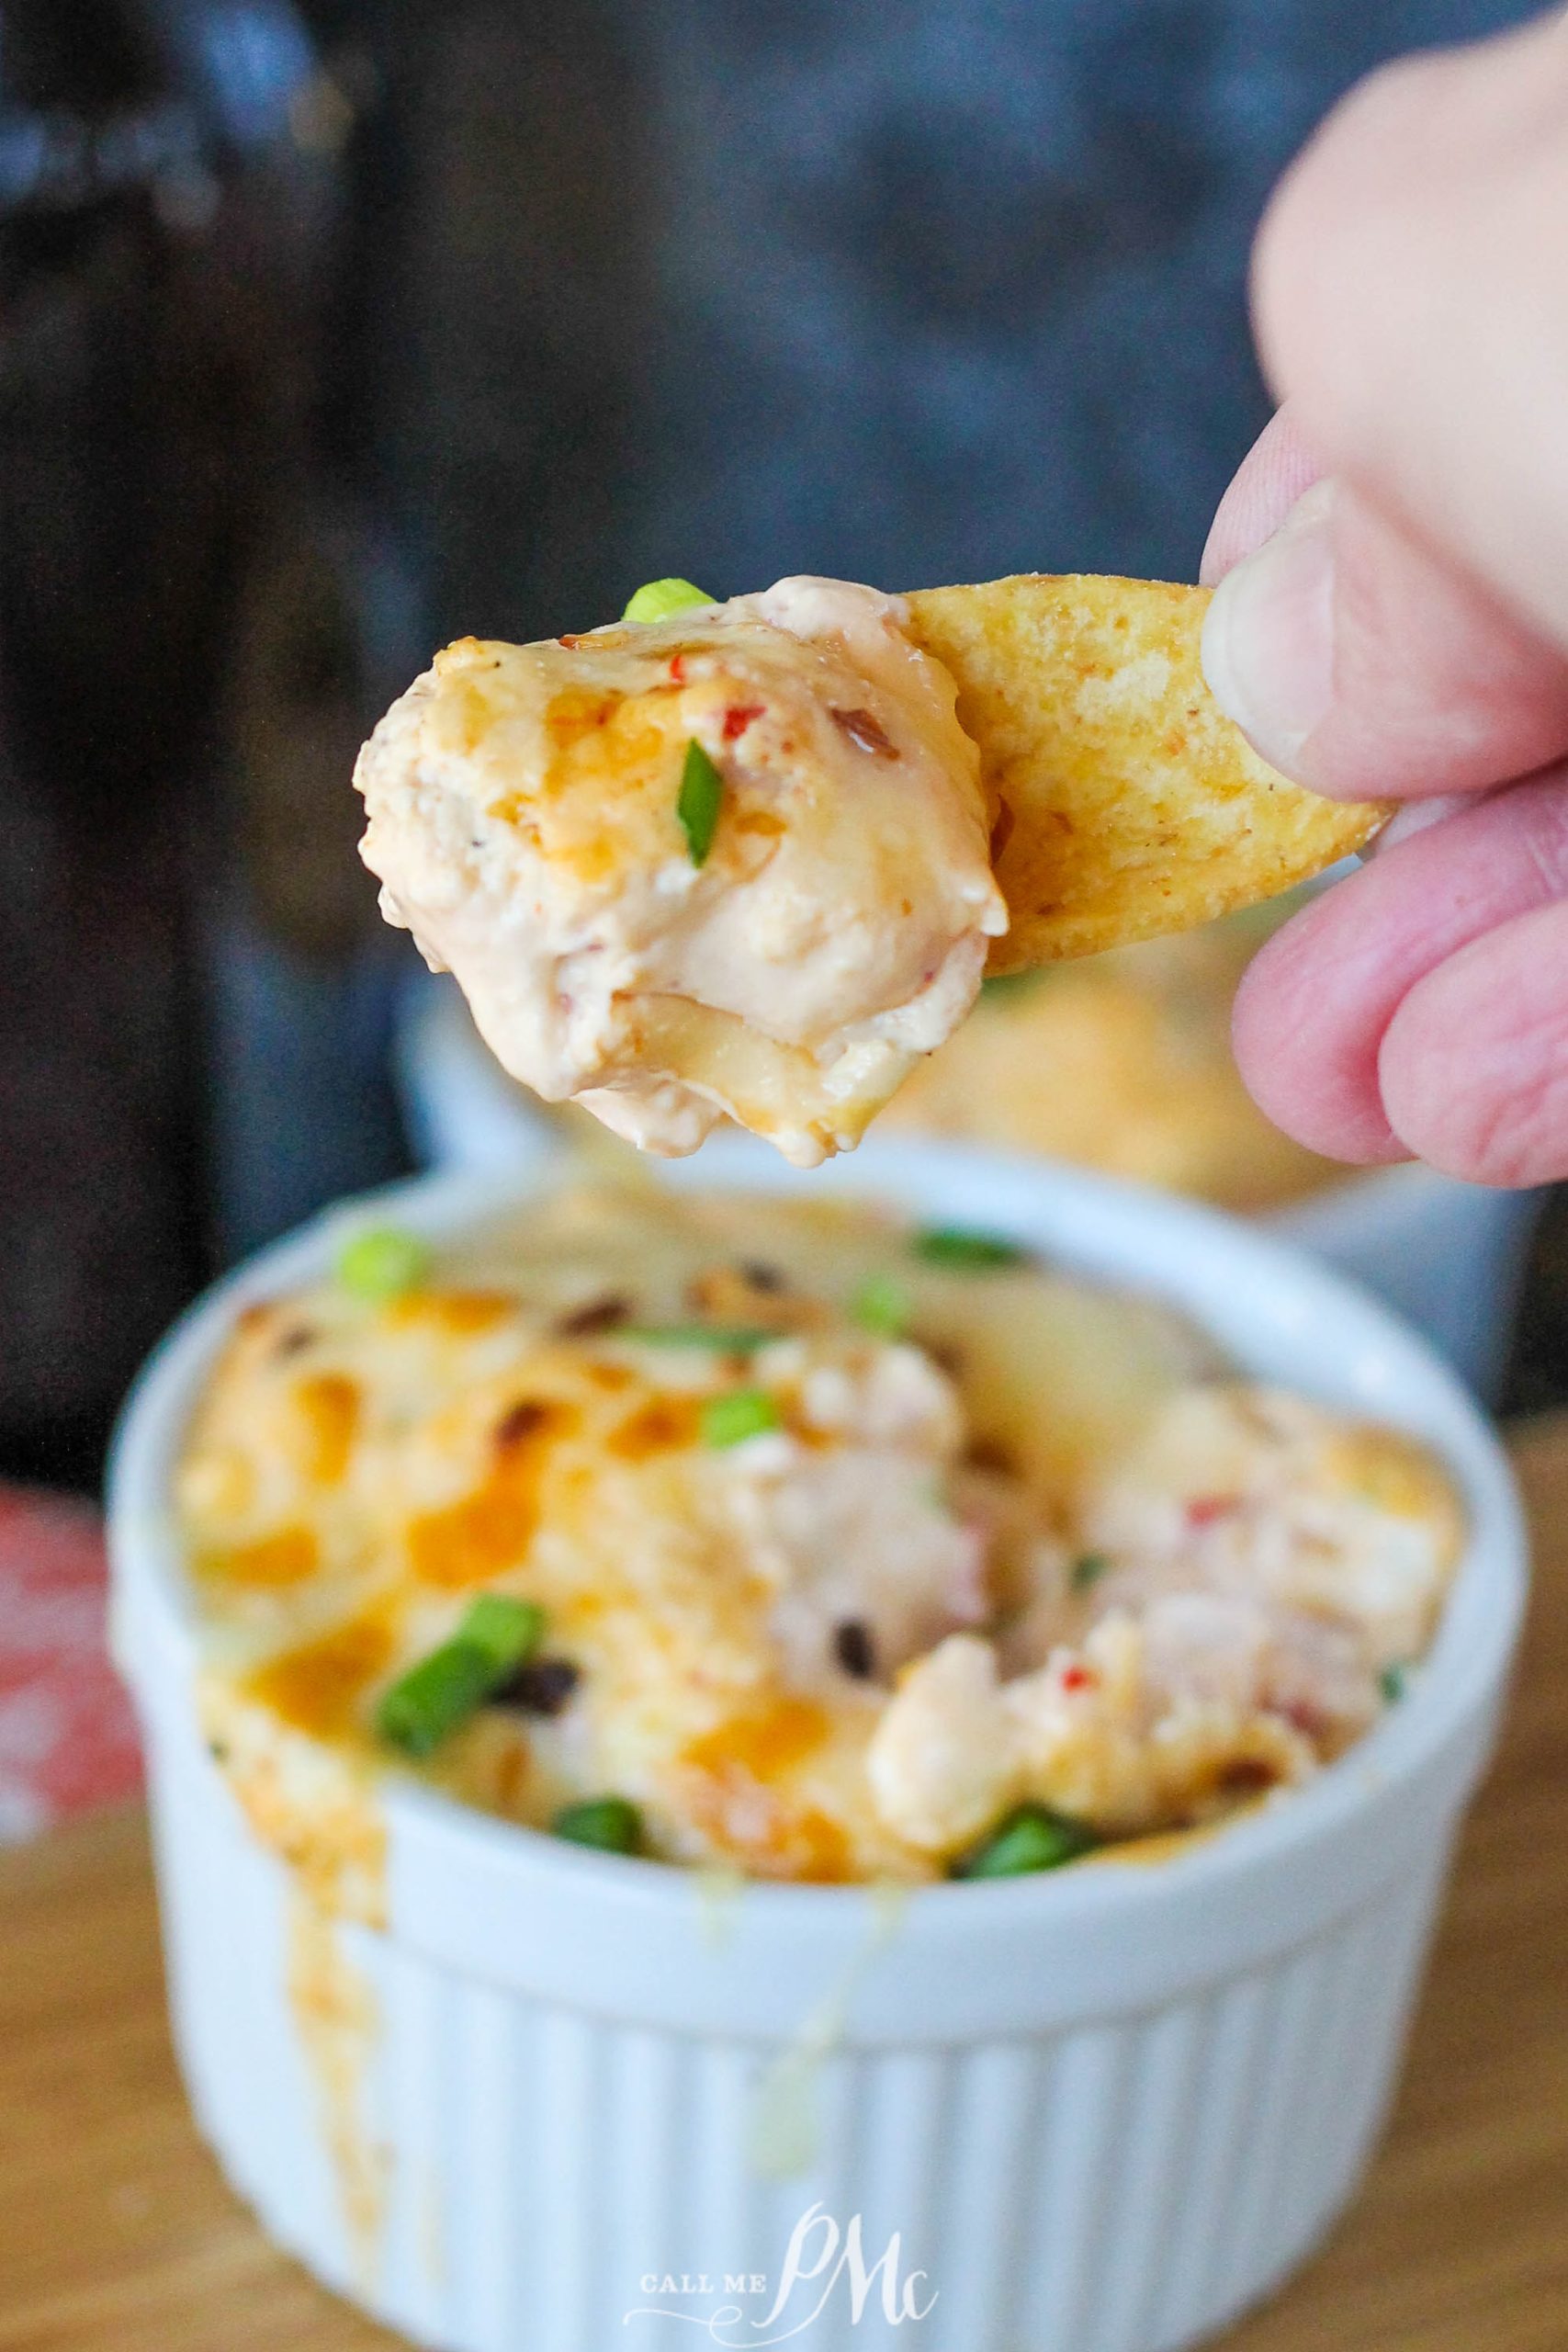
(382, 1261)
(660, 600)
(506, 1629)
(960, 1246)
(700, 799)
(882, 1306)
(1086, 1570)
(443, 1690)
(1392, 1683)
(743, 1413)
(1030, 1838)
(612, 1825)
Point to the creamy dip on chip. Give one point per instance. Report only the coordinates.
(734, 863)
(782, 1537)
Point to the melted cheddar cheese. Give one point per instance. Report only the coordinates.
(835, 1639)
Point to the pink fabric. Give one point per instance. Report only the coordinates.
(67, 1736)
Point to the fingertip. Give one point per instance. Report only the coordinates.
(1361, 665)
(1474, 1065)
(1385, 1021)
(1314, 1077)
(1269, 480)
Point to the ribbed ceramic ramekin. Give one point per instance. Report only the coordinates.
(564, 2102)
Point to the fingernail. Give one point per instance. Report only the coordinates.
(1268, 633)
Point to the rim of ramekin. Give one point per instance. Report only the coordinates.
(1456, 1683)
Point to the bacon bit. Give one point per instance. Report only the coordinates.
(739, 717)
(678, 668)
(1204, 1509)
(866, 731)
(990, 1453)
(1001, 832)
(598, 1315)
(541, 1686)
(1077, 1677)
(854, 1648)
(519, 1420)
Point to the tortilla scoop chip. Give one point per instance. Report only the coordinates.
(1124, 802)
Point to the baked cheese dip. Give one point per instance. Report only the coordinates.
(782, 1537)
(730, 863)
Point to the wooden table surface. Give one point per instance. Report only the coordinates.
(117, 2231)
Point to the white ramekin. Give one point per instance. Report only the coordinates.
(1448, 1256)
(1103, 2111)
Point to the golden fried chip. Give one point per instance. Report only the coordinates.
(1124, 802)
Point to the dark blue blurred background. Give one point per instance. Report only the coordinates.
(329, 332)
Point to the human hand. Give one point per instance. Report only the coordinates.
(1393, 617)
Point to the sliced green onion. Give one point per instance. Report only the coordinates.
(1029, 1839)
(882, 1306)
(432, 1698)
(743, 1413)
(725, 1339)
(1086, 1570)
(960, 1246)
(659, 600)
(1392, 1683)
(442, 1690)
(699, 801)
(382, 1261)
(507, 1630)
(613, 1825)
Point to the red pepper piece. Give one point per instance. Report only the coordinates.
(738, 718)
(1204, 1509)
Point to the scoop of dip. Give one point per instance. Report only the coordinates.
(731, 864)
(783, 1538)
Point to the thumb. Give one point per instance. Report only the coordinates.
(1364, 664)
